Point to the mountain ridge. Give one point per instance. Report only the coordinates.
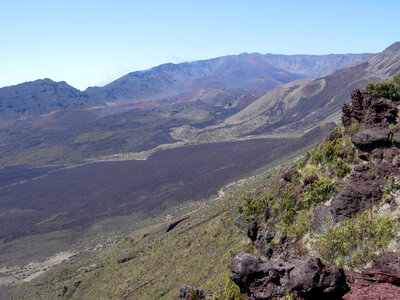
(253, 72)
(295, 107)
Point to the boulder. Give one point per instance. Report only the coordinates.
(307, 277)
(288, 176)
(355, 198)
(310, 179)
(367, 139)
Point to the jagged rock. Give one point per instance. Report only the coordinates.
(265, 235)
(374, 117)
(396, 139)
(387, 261)
(267, 213)
(308, 277)
(191, 293)
(261, 235)
(310, 179)
(288, 176)
(369, 111)
(320, 216)
(252, 229)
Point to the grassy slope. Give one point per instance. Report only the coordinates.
(196, 252)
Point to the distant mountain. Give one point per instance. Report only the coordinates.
(42, 96)
(253, 72)
(297, 106)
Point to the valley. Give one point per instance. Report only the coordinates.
(77, 197)
(88, 169)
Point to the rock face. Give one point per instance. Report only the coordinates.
(373, 116)
(377, 138)
(308, 278)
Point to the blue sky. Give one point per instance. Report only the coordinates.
(89, 43)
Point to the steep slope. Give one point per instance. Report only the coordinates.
(297, 106)
(330, 225)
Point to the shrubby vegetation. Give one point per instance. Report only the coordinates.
(356, 241)
(386, 89)
(227, 290)
(353, 242)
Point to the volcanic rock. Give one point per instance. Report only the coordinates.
(307, 277)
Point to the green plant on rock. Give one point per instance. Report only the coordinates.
(354, 127)
(354, 242)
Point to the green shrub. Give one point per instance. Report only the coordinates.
(342, 169)
(354, 242)
(227, 290)
(254, 207)
(386, 89)
(318, 191)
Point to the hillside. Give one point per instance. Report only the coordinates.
(294, 107)
(330, 226)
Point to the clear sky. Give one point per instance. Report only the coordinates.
(87, 43)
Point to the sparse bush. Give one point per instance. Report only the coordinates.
(354, 242)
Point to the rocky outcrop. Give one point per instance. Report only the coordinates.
(374, 116)
(308, 278)
(261, 235)
(375, 119)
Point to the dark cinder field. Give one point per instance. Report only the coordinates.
(43, 200)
